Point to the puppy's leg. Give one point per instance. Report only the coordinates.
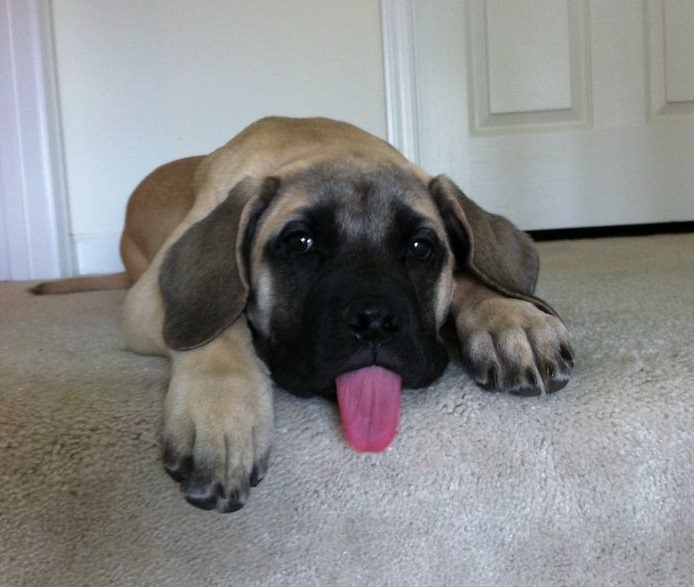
(508, 344)
(142, 322)
(218, 420)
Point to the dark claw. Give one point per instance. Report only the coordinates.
(198, 492)
(556, 384)
(179, 468)
(567, 355)
(199, 485)
(530, 376)
(228, 506)
(208, 502)
(523, 382)
(212, 502)
(256, 477)
(232, 503)
(216, 500)
(259, 469)
(525, 390)
(555, 380)
(492, 382)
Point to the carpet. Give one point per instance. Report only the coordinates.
(591, 486)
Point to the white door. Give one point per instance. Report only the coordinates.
(560, 113)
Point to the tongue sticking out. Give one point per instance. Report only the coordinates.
(369, 401)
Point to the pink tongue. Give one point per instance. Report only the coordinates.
(369, 401)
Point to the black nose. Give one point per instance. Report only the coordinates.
(371, 320)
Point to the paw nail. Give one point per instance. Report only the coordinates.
(493, 378)
(567, 355)
(556, 384)
(255, 477)
(204, 503)
(530, 376)
(229, 506)
(178, 468)
(527, 391)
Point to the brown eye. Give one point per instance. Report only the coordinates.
(298, 242)
(420, 248)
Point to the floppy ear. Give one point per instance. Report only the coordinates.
(203, 279)
(489, 246)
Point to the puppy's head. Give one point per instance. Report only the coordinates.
(349, 267)
(345, 273)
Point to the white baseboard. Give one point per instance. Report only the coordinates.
(97, 253)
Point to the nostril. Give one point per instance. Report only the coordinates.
(361, 321)
(370, 321)
(389, 324)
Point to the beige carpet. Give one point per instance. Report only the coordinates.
(593, 486)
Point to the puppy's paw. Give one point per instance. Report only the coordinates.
(217, 440)
(510, 345)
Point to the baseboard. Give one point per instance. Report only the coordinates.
(97, 253)
(612, 231)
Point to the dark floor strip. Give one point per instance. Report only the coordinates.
(612, 231)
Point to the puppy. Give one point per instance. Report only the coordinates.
(311, 254)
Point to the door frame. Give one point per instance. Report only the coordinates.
(415, 34)
(400, 76)
(32, 172)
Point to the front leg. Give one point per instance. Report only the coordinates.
(509, 344)
(218, 420)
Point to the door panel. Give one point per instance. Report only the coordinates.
(524, 32)
(528, 62)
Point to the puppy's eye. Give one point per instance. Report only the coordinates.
(421, 248)
(298, 242)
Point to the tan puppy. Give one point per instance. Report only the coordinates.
(308, 252)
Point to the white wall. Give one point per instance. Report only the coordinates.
(141, 83)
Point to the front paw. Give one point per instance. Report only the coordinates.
(510, 345)
(216, 442)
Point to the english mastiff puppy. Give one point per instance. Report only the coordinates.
(310, 253)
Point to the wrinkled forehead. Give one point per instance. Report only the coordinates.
(360, 202)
